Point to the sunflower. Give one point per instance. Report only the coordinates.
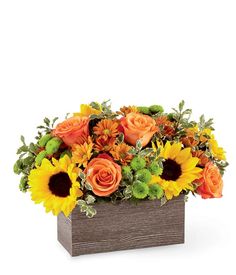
(121, 152)
(179, 170)
(55, 184)
(87, 110)
(107, 128)
(81, 154)
(217, 152)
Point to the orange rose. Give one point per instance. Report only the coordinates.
(138, 126)
(104, 175)
(211, 182)
(73, 130)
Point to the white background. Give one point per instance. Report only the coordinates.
(55, 55)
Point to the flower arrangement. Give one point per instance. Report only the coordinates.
(133, 154)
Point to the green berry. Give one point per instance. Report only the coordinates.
(53, 145)
(156, 109)
(138, 163)
(44, 139)
(144, 175)
(144, 110)
(155, 169)
(140, 190)
(40, 157)
(66, 152)
(155, 191)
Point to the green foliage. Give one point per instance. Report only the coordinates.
(120, 138)
(89, 210)
(105, 107)
(181, 119)
(95, 105)
(143, 175)
(25, 162)
(203, 124)
(23, 186)
(127, 192)
(46, 127)
(137, 163)
(90, 199)
(221, 164)
(163, 200)
(155, 191)
(145, 152)
(140, 190)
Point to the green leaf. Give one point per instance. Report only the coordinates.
(53, 121)
(138, 145)
(163, 200)
(23, 148)
(90, 199)
(88, 186)
(95, 105)
(23, 186)
(91, 212)
(82, 175)
(145, 152)
(81, 202)
(120, 138)
(33, 147)
(185, 198)
(22, 139)
(83, 208)
(46, 121)
(181, 106)
(132, 151)
(187, 112)
(127, 192)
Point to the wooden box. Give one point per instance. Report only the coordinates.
(123, 226)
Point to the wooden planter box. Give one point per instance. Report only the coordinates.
(123, 226)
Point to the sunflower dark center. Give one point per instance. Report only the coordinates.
(60, 184)
(171, 170)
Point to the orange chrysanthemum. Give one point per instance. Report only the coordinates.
(203, 159)
(166, 125)
(107, 128)
(104, 143)
(125, 110)
(190, 140)
(81, 154)
(121, 153)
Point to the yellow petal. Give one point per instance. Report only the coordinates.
(174, 150)
(189, 164)
(183, 155)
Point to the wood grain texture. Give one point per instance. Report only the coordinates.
(123, 226)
